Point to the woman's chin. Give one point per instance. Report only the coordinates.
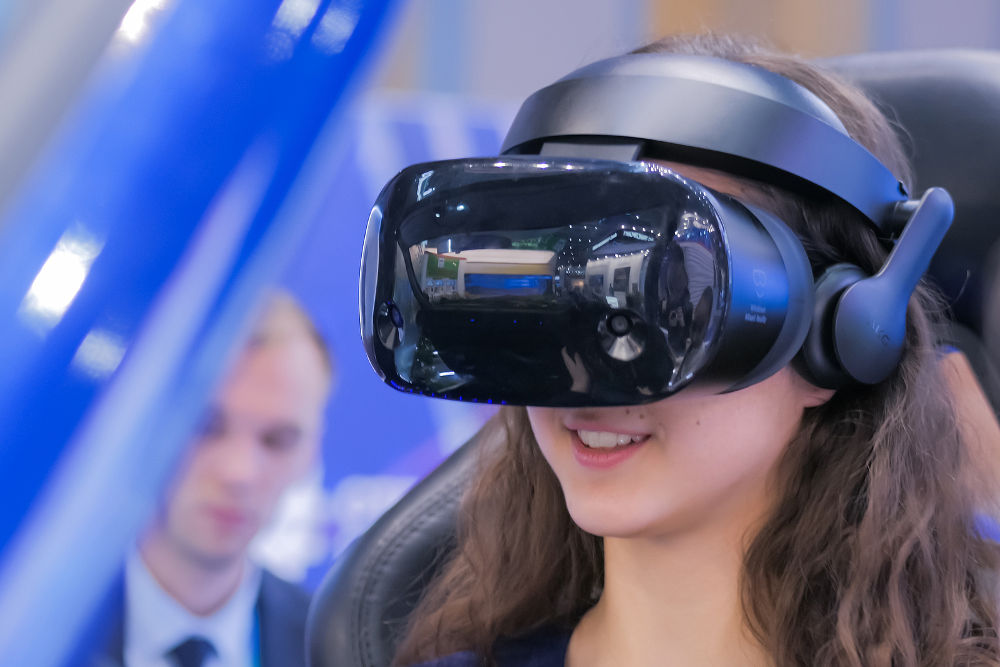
(606, 522)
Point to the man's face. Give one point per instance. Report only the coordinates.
(260, 435)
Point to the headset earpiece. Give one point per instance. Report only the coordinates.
(859, 322)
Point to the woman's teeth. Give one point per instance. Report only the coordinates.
(606, 440)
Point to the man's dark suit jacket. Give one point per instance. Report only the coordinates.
(281, 607)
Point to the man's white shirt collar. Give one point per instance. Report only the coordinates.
(155, 622)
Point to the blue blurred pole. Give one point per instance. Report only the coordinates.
(128, 263)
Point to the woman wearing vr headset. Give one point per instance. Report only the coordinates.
(742, 462)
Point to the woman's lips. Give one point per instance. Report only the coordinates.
(602, 449)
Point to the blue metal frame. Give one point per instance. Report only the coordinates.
(128, 264)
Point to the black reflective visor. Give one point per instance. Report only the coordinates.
(574, 282)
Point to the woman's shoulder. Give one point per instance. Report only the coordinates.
(542, 648)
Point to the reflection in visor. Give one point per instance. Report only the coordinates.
(569, 288)
(481, 272)
(606, 264)
(657, 269)
(497, 284)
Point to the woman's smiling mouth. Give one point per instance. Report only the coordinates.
(607, 439)
(604, 449)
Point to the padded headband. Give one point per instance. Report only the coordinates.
(732, 115)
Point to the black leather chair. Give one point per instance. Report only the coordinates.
(948, 105)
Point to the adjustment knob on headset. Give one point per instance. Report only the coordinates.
(622, 336)
(620, 324)
(388, 324)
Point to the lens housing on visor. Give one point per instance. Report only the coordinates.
(561, 282)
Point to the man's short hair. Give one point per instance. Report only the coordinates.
(282, 319)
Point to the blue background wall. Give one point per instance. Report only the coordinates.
(379, 442)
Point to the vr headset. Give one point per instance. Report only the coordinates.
(573, 271)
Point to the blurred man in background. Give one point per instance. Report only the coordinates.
(191, 596)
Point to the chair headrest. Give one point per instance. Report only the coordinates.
(361, 608)
(947, 106)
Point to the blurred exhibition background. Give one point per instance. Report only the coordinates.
(445, 82)
(435, 79)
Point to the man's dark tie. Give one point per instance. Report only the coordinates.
(191, 652)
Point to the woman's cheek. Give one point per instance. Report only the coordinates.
(545, 426)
